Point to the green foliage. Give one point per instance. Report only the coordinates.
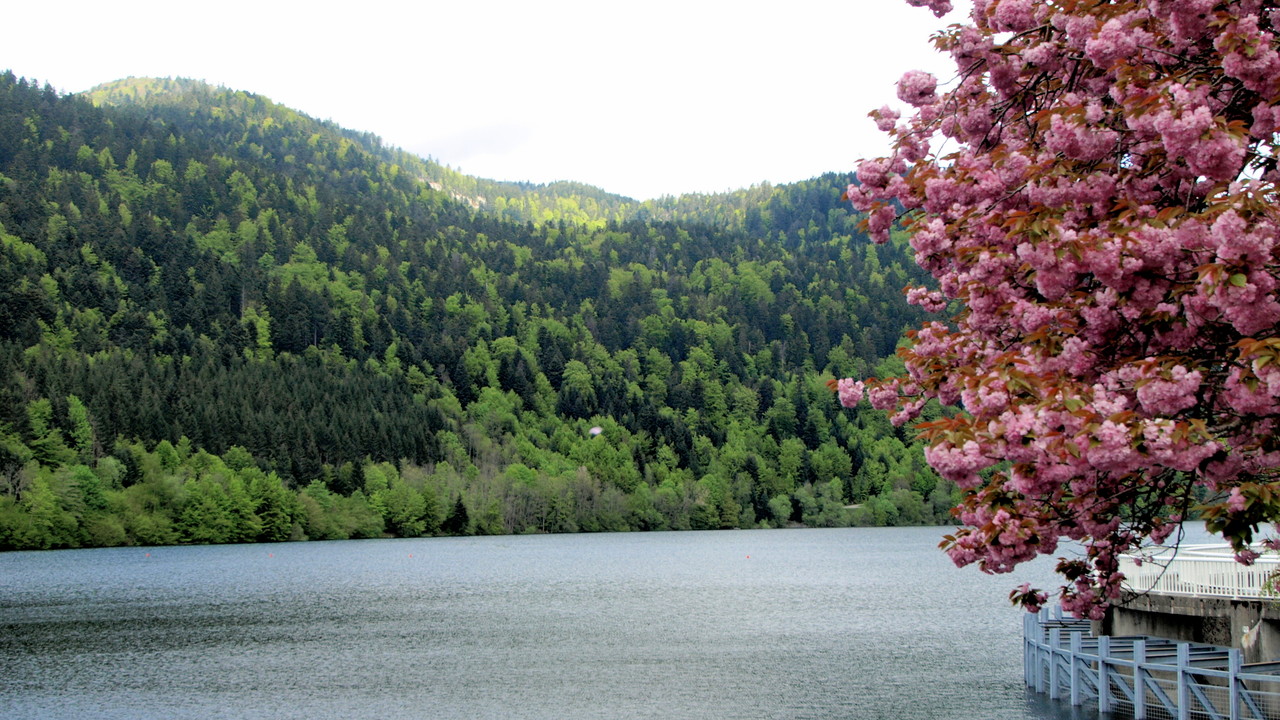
(224, 321)
(82, 435)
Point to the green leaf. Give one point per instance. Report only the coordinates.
(1239, 280)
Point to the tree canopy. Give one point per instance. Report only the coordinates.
(1095, 193)
(221, 320)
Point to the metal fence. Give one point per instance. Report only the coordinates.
(1201, 570)
(1145, 677)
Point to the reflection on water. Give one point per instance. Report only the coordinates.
(858, 623)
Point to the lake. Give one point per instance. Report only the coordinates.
(851, 623)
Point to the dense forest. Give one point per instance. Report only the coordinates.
(222, 320)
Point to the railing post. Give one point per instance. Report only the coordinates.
(1184, 679)
(1104, 682)
(1033, 651)
(1077, 692)
(1055, 643)
(1139, 687)
(1026, 649)
(1235, 658)
(1043, 617)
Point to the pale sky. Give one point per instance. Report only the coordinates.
(641, 99)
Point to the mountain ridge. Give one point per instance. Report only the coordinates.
(478, 192)
(221, 320)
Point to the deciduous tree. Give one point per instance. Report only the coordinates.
(1095, 193)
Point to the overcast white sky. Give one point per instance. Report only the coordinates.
(641, 99)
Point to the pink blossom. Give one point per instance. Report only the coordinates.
(1266, 120)
(1078, 142)
(917, 88)
(880, 220)
(958, 464)
(1236, 501)
(939, 7)
(930, 300)
(1116, 41)
(883, 397)
(886, 118)
(909, 411)
(1187, 19)
(1249, 54)
(1247, 301)
(1237, 241)
(873, 173)
(1014, 16)
(1111, 450)
(1218, 157)
(1028, 597)
(1168, 396)
(850, 392)
(1162, 533)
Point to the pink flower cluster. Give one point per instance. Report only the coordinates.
(918, 88)
(1171, 394)
(850, 392)
(961, 464)
(1097, 193)
(939, 7)
(930, 300)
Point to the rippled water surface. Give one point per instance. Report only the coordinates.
(858, 623)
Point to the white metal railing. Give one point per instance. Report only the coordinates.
(1200, 570)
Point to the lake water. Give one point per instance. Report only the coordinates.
(853, 623)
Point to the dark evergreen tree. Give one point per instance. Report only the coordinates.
(457, 522)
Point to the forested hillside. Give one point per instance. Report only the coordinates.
(222, 320)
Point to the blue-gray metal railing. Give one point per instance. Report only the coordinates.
(1148, 677)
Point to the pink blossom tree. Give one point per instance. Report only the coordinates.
(1095, 193)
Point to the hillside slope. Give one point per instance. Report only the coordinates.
(222, 320)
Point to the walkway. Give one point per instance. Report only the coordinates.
(1146, 677)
